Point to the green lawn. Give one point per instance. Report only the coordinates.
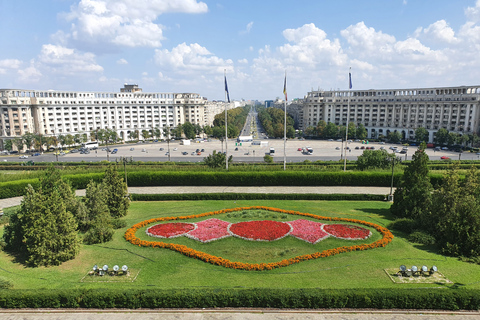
(162, 268)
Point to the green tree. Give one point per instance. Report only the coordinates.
(18, 142)
(372, 159)
(189, 130)
(217, 160)
(464, 139)
(99, 221)
(441, 136)
(8, 145)
(268, 158)
(208, 130)
(331, 130)
(455, 212)
(133, 135)
(116, 196)
(361, 132)
(69, 140)
(42, 230)
(421, 135)
(394, 136)
(29, 140)
(321, 125)
(352, 130)
(452, 138)
(177, 132)
(145, 134)
(413, 196)
(310, 131)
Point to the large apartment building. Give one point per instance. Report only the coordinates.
(67, 112)
(456, 109)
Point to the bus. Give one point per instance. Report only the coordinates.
(90, 145)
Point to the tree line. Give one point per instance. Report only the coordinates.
(51, 222)
(273, 121)
(448, 216)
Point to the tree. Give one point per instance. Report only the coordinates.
(321, 125)
(61, 139)
(464, 139)
(156, 133)
(331, 130)
(133, 135)
(352, 130)
(145, 134)
(207, 130)
(69, 140)
(452, 138)
(28, 139)
(441, 136)
(189, 130)
(394, 136)
(217, 160)
(99, 221)
(310, 131)
(268, 158)
(18, 142)
(116, 196)
(455, 214)
(371, 159)
(52, 141)
(421, 135)
(413, 196)
(361, 132)
(8, 145)
(43, 231)
(177, 132)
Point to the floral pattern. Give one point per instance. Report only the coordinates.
(170, 230)
(309, 231)
(265, 230)
(346, 231)
(130, 236)
(209, 230)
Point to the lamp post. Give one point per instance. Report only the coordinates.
(125, 171)
(393, 160)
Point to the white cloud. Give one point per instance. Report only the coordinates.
(473, 13)
(248, 28)
(438, 31)
(66, 61)
(10, 64)
(189, 59)
(122, 61)
(124, 22)
(30, 74)
(366, 42)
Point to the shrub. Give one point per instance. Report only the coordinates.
(404, 225)
(421, 237)
(5, 284)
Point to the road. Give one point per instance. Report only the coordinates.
(322, 150)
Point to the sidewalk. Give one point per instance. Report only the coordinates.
(5, 203)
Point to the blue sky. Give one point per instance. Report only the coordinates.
(185, 45)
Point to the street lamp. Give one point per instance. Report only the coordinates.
(125, 171)
(394, 159)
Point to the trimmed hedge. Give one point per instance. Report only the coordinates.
(255, 196)
(424, 298)
(265, 178)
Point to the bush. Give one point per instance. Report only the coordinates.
(118, 223)
(255, 196)
(421, 237)
(5, 284)
(404, 225)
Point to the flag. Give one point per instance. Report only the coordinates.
(285, 87)
(226, 90)
(350, 80)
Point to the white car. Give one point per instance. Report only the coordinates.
(175, 149)
(24, 157)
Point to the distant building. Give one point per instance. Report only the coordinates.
(52, 112)
(269, 103)
(456, 109)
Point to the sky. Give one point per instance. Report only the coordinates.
(188, 45)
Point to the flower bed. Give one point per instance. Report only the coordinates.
(209, 230)
(308, 230)
(170, 230)
(346, 231)
(265, 230)
(130, 236)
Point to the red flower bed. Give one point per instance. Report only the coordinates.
(307, 230)
(130, 236)
(265, 230)
(209, 230)
(170, 230)
(346, 231)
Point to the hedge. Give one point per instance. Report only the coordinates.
(255, 196)
(421, 298)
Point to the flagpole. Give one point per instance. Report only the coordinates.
(348, 117)
(285, 125)
(226, 130)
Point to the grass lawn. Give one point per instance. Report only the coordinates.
(163, 268)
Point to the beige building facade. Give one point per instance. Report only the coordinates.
(456, 109)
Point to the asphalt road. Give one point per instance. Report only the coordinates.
(322, 150)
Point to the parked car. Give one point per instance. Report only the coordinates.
(131, 149)
(357, 148)
(161, 149)
(144, 150)
(203, 150)
(185, 153)
(175, 149)
(36, 154)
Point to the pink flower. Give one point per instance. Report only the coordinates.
(209, 230)
(307, 230)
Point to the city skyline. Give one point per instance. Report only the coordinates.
(185, 45)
